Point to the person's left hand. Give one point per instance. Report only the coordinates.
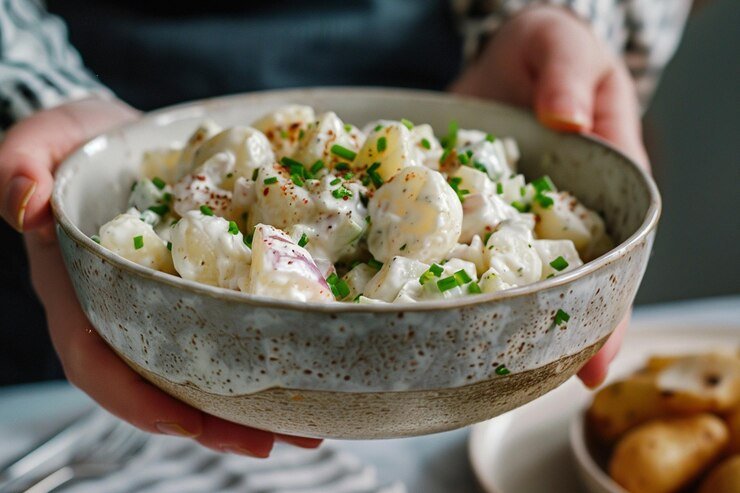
(547, 59)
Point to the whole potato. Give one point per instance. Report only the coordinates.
(733, 422)
(620, 406)
(701, 383)
(725, 478)
(664, 455)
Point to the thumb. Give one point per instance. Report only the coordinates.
(566, 78)
(34, 147)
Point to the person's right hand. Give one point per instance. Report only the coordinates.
(29, 154)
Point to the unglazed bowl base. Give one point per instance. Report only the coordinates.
(377, 415)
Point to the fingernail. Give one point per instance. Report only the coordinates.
(564, 113)
(17, 195)
(301, 441)
(236, 450)
(173, 429)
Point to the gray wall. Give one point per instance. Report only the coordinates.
(693, 136)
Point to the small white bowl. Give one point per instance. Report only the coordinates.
(594, 478)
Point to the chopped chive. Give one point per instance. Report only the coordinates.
(469, 153)
(133, 185)
(248, 240)
(284, 134)
(426, 144)
(233, 228)
(444, 156)
(296, 178)
(436, 270)
(303, 241)
(544, 201)
(95, 238)
(382, 143)
(167, 197)
(447, 283)
(550, 276)
(349, 176)
(138, 242)
(301, 134)
(474, 288)
(159, 182)
(559, 264)
(317, 166)
(357, 298)
(174, 223)
(451, 138)
(291, 163)
(205, 210)
(407, 123)
(341, 167)
(455, 184)
(502, 370)
(335, 181)
(347, 127)
(499, 188)
(461, 277)
(520, 206)
(464, 159)
(229, 175)
(341, 193)
(561, 317)
(426, 277)
(490, 137)
(522, 191)
(160, 209)
(169, 245)
(377, 128)
(543, 184)
(343, 152)
(255, 173)
(270, 180)
(480, 167)
(374, 175)
(487, 237)
(375, 264)
(403, 247)
(366, 180)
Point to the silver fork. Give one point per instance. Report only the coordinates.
(115, 450)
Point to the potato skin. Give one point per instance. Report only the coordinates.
(733, 422)
(725, 478)
(621, 406)
(664, 455)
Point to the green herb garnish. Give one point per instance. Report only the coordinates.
(96, 239)
(374, 175)
(474, 288)
(160, 209)
(502, 370)
(317, 166)
(159, 182)
(270, 180)
(205, 210)
(407, 123)
(561, 317)
(426, 144)
(233, 228)
(490, 137)
(341, 193)
(447, 283)
(499, 188)
(138, 242)
(375, 264)
(382, 143)
(303, 241)
(169, 245)
(343, 152)
(559, 264)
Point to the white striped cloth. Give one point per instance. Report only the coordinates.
(176, 465)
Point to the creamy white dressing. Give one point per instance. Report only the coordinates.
(308, 207)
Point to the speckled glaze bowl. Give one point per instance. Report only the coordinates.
(349, 370)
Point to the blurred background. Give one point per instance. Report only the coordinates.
(692, 135)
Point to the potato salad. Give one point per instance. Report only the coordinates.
(303, 206)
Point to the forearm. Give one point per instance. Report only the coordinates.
(39, 68)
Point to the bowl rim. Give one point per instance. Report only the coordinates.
(583, 457)
(66, 170)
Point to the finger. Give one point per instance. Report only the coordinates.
(225, 436)
(566, 77)
(595, 371)
(32, 149)
(617, 115)
(302, 442)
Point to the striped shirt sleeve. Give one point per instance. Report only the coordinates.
(645, 34)
(39, 68)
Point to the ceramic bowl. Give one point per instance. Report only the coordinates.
(348, 370)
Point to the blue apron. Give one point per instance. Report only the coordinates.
(154, 53)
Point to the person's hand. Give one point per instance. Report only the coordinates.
(546, 59)
(28, 156)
